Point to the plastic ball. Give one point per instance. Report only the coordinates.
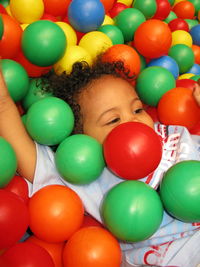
(113, 32)
(191, 23)
(185, 76)
(108, 4)
(14, 218)
(183, 55)
(49, 121)
(147, 7)
(196, 51)
(56, 212)
(43, 43)
(132, 211)
(187, 83)
(196, 129)
(54, 249)
(1, 27)
(34, 93)
(170, 17)
(16, 79)
(108, 21)
(127, 147)
(11, 39)
(90, 221)
(49, 17)
(195, 77)
(163, 9)
(86, 15)
(70, 33)
(126, 54)
(27, 254)
(152, 83)
(166, 62)
(93, 245)
(8, 162)
(128, 20)
(178, 107)
(181, 37)
(184, 10)
(195, 69)
(95, 43)
(195, 33)
(196, 4)
(79, 159)
(179, 191)
(32, 10)
(153, 38)
(56, 7)
(178, 24)
(73, 53)
(116, 9)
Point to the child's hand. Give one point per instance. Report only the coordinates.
(196, 92)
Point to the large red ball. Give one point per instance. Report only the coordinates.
(132, 150)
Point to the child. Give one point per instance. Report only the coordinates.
(102, 98)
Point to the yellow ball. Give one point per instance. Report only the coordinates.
(177, 1)
(185, 76)
(108, 21)
(125, 2)
(73, 53)
(24, 25)
(95, 43)
(69, 32)
(181, 37)
(9, 11)
(27, 11)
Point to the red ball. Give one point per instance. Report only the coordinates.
(132, 150)
(90, 221)
(108, 4)
(178, 24)
(116, 9)
(14, 218)
(92, 247)
(153, 38)
(184, 10)
(196, 129)
(56, 7)
(163, 9)
(187, 83)
(27, 254)
(196, 50)
(178, 107)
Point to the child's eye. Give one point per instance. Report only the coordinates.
(113, 121)
(139, 110)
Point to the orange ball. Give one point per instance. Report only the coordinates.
(11, 39)
(178, 107)
(56, 212)
(196, 50)
(108, 4)
(54, 249)
(184, 10)
(124, 53)
(92, 247)
(153, 38)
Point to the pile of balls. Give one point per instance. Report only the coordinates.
(159, 43)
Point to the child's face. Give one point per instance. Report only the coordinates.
(108, 102)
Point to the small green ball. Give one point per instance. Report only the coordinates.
(1, 27)
(180, 191)
(147, 7)
(113, 32)
(152, 83)
(191, 23)
(43, 43)
(16, 79)
(49, 121)
(170, 17)
(79, 159)
(132, 211)
(8, 162)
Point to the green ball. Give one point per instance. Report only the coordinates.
(195, 78)
(79, 159)
(43, 43)
(5, 3)
(16, 79)
(49, 121)
(147, 7)
(8, 162)
(1, 27)
(34, 93)
(191, 23)
(180, 191)
(183, 55)
(152, 83)
(171, 2)
(128, 20)
(170, 17)
(143, 62)
(196, 4)
(132, 211)
(113, 32)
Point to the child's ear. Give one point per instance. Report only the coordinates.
(196, 92)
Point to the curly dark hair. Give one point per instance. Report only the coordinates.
(69, 86)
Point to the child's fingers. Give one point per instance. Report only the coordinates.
(196, 92)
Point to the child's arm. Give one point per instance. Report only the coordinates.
(12, 129)
(197, 92)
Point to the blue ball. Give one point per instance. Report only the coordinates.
(195, 69)
(166, 62)
(195, 33)
(86, 15)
